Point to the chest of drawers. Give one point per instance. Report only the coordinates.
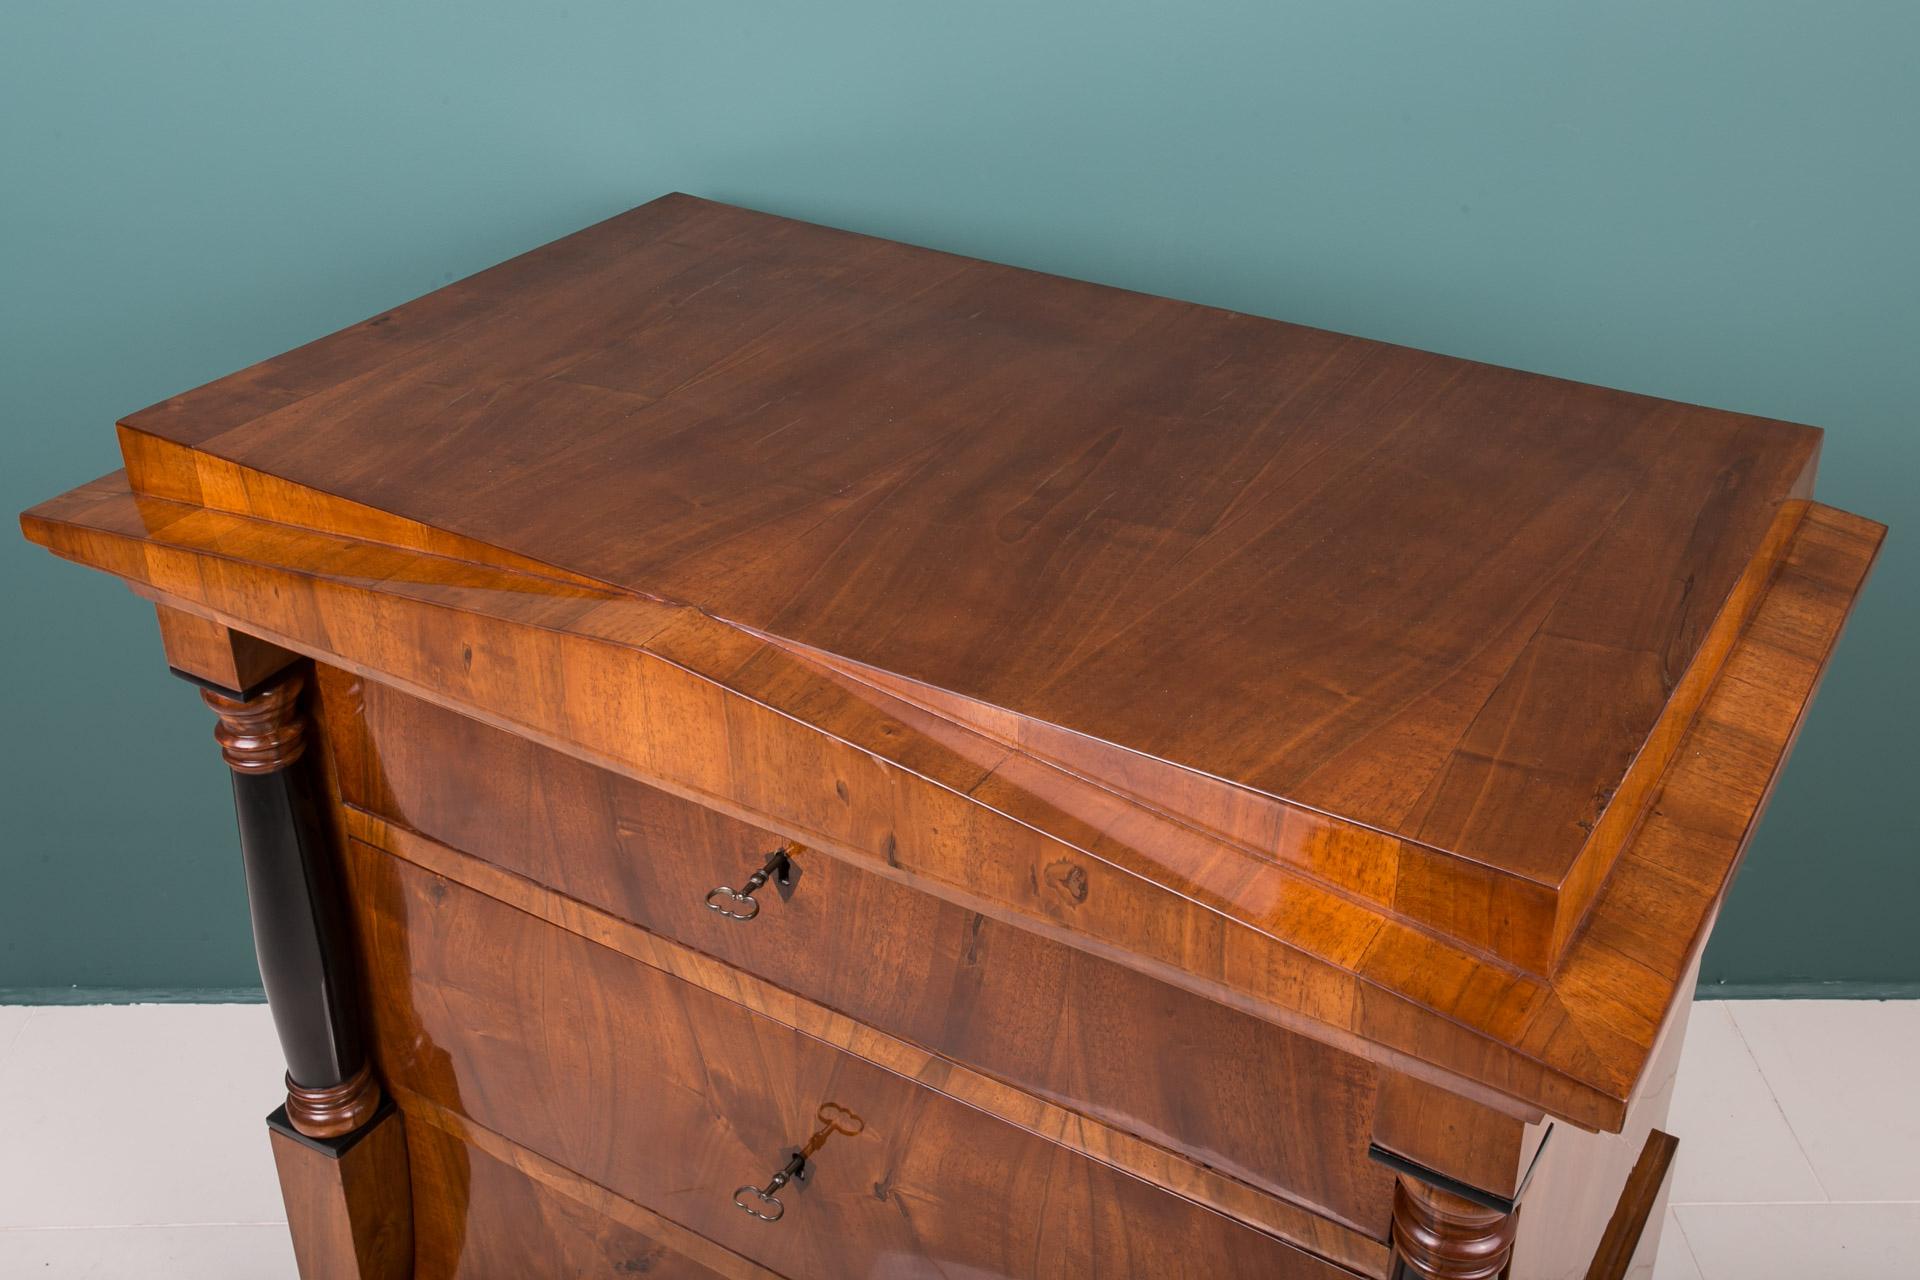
(766, 752)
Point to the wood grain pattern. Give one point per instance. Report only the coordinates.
(1374, 731)
(1084, 1033)
(262, 734)
(1326, 1233)
(1437, 1236)
(488, 1210)
(294, 907)
(1639, 1201)
(1448, 617)
(219, 655)
(1450, 1134)
(849, 771)
(348, 1205)
(759, 733)
(1579, 1179)
(537, 1034)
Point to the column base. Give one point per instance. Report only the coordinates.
(334, 1111)
(349, 1198)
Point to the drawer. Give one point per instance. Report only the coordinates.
(480, 1214)
(1278, 1111)
(673, 1097)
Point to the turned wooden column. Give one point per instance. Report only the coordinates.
(298, 929)
(1441, 1236)
(338, 1145)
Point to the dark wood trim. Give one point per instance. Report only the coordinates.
(1439, 1181)
(1637, 1201)
(298, 921)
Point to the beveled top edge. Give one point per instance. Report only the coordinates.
(993, 538)
(1591, 1027)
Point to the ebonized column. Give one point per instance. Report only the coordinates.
(292, 894)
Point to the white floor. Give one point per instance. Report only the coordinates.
(131, 1143)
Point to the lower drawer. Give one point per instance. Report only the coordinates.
(673, 1097)
(1263, 1105)
(479, 1214)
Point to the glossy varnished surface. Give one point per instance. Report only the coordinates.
(219, 656)
(1137, 687)
(1095, 1037)
(500, 1212)
(348, 1204)
(860, 775)
(1454, 606)
(1173, 1165)
(545, 1038)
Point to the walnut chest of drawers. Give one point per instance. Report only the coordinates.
(762, 751)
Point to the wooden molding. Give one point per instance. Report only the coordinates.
(493, 644)
(299, 929)
(1443, 1237)
(332, 1111)
(262, 734)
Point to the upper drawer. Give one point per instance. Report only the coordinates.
(684, 1102)
(1277, 1110)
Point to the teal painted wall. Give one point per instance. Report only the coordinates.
(1714, 200)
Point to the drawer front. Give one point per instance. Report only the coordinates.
(1273, 1109)
(673, 1097)
(479, 1215)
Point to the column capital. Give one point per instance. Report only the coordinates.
(1439, 1236)
(263, 734)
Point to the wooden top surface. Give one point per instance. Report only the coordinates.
(669, 695)
(1399, 596)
